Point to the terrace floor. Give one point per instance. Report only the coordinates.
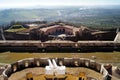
(72, 73)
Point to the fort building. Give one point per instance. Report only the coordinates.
(58, 36)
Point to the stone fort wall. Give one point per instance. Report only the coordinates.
(59, 45)
(68, 62)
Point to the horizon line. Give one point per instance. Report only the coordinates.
(45, 6)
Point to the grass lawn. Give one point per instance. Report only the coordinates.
(103, 57)
(15, 28)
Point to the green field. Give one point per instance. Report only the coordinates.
(102, 57)
(97, 17)
(15, 28)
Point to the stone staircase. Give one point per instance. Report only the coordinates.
(2, 34)
(117, 38)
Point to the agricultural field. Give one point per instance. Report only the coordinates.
(98, 17)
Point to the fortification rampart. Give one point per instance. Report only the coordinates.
(60, 45)
(68, 62)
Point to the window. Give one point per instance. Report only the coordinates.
(63, 31)
(80, 78)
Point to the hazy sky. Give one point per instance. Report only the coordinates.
(27, 3)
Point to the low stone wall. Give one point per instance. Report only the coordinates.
(16, 36)
(60, 46)
(42, 62)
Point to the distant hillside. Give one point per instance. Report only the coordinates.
(25, 14)
(91, 17)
